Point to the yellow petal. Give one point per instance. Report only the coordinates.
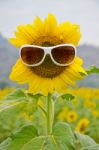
(50, 25)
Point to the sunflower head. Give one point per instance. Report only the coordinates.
(82, 125)
(47, 77)
(72, 116)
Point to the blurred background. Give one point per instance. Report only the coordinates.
(16, 12)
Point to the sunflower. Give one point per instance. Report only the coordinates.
(71, 116)
(47, 77)
(82, 125)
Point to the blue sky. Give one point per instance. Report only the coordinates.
(83, 12)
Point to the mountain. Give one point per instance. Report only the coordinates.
(90, 54)
(9, 54)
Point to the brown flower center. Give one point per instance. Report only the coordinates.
(47, 41)
(83, 127)
(71, 116)
(48, 69)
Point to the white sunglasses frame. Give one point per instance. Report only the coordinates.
(47, 50)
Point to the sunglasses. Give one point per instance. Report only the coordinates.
(61, 55)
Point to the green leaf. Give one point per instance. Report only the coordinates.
(83, 74)
(32, 103)
(17, 97)
(84, 139)
(20, 138)
(95, 147)
(62, 132)
(68, 97)
(93, 69)
(20, 94)
(5, 144)
(17, 94)
(62, 138)
(37, 96)
(84, 142)
(14, 99)
(5, 105)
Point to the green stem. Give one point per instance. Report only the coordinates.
(50, 114)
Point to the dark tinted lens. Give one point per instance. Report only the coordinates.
(32, 55)
(63, 54)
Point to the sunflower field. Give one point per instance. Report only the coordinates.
(80, 109)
